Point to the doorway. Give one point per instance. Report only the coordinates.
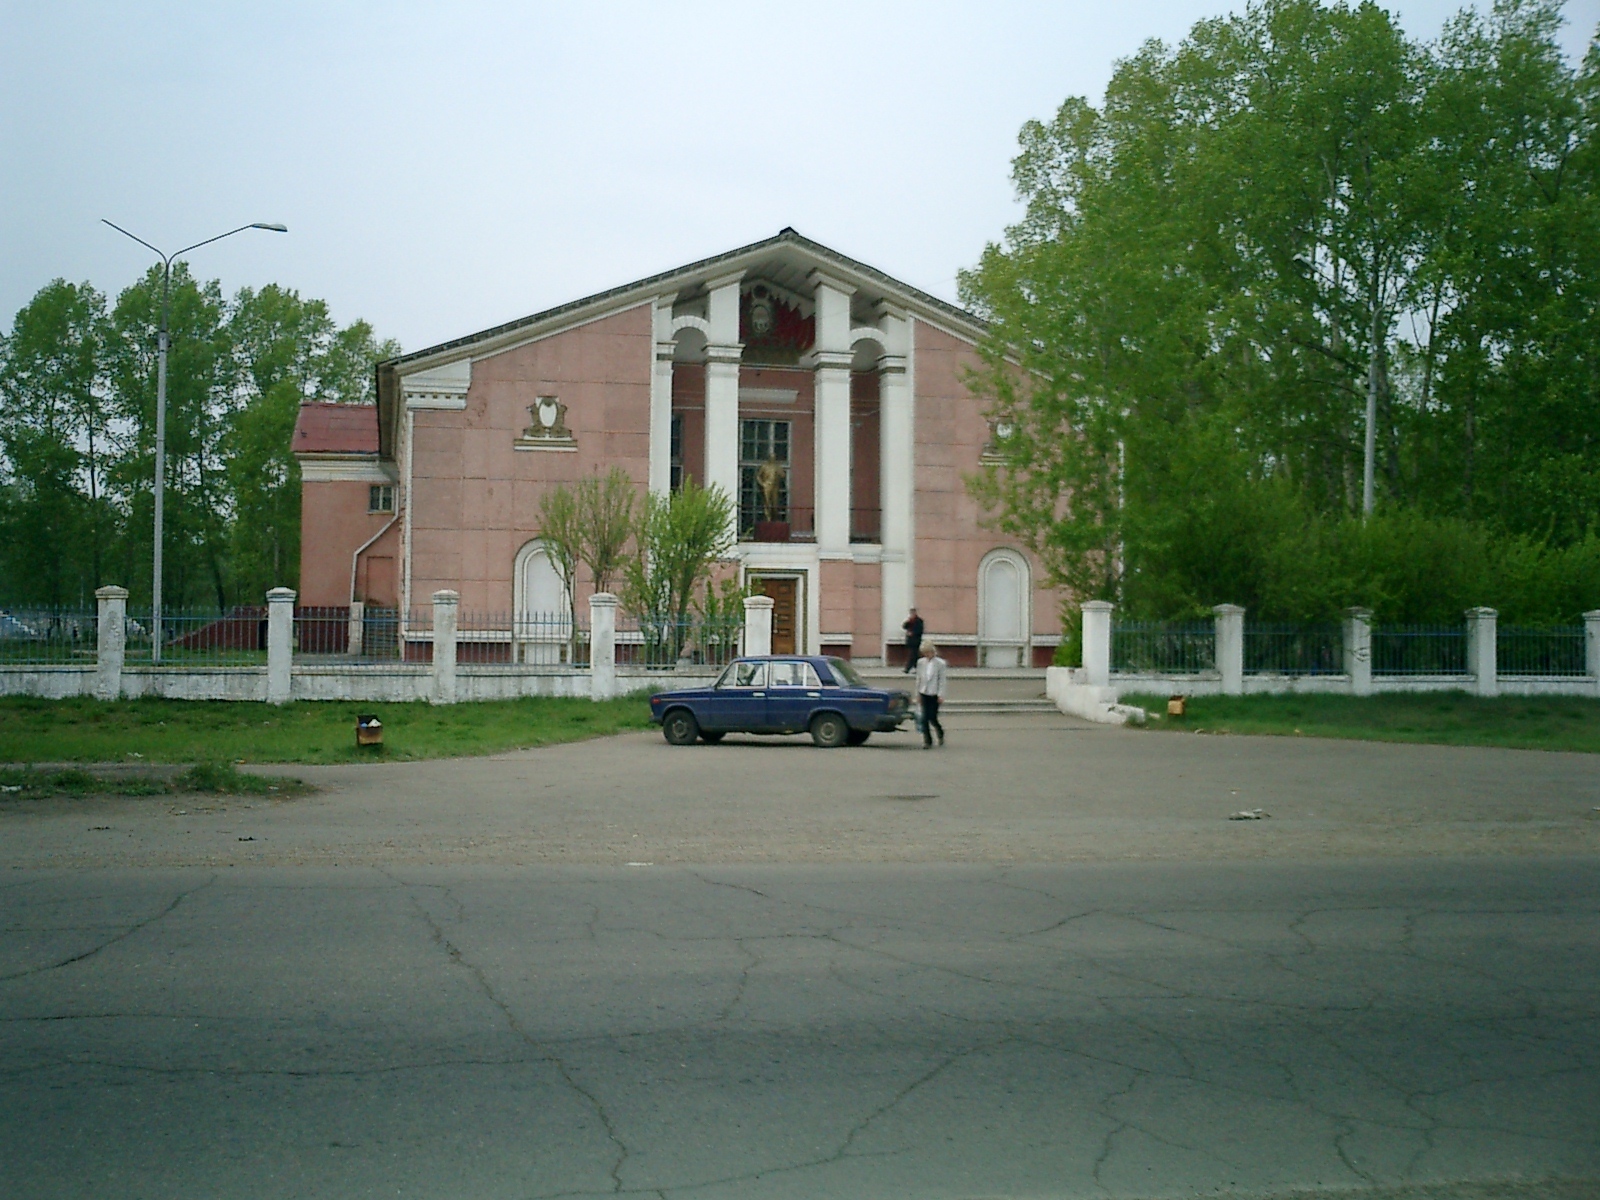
(785, 593)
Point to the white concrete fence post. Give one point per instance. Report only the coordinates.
(1358, 650)
(112, 640)
(1482, 651)
(280, 644)
(446, 612)
(1591, 645)
(1230, 647)
(602, 646)
(1097, 641)
(758, 624)
(358, 627)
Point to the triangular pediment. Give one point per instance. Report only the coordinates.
(784, 263)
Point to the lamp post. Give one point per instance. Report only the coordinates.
(162, 342)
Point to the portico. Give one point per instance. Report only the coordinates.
(788, 386)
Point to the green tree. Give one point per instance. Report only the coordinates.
(1292, 233)
(55, 440)
(605, 523)
(561, 532)
(677, 541)
(200, 379)
(286, 351)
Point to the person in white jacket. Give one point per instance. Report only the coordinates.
(932, 674)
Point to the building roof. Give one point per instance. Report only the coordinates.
(336, 429)
(695, 273)
(786, 259)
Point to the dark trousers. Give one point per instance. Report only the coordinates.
(913, 649)
(930, 720)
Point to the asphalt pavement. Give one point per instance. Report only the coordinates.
(187, 1014)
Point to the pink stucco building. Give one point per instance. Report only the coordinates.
(844, 384)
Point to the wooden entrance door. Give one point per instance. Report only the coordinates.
(783, 593)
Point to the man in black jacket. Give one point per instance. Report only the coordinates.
(913, 627)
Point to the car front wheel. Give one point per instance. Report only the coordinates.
(679, 727)
(829, 730)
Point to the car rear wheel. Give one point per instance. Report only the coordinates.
(829, 730)
(710, 739)
(679, 727)
(857, 737)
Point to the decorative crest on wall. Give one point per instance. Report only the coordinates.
(549, 429)
(772, 329)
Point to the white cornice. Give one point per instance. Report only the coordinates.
(345, 468)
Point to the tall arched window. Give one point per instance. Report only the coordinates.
(1004, 592)
(543, 621)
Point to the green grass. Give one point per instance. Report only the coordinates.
(26, 783)
(1441, 718)
(191, 731)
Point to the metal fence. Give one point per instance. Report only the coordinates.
(48, 636)
(200, 637)
(1419, 650)
(380, 634)
(663, 642)
(1157, 647)
(1293, 650)
(1557, 651)
(322, 630)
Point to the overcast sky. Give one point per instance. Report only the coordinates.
(443, 168)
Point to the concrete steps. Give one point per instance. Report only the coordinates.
(996, 707)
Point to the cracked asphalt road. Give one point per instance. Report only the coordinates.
(190, 1016)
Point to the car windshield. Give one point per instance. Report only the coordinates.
(845, 673)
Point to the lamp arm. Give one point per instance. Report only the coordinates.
(209, 240)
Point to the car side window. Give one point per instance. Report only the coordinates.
(812, 681)
(790, 674)
(745, 674)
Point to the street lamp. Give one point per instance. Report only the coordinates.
(161, 406)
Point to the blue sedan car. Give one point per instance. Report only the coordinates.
(825, 697)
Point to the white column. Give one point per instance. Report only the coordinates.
(112, 640)
(722, 387)
(832, 356)
(1097, 642)
(1358, 650)
(896, 472)
(1482, 651)
(280, 644)
(358, 626)
(1591, 643)
(758, 625)
(661, 399)
(446, 612)
(1230, 647)
(602, 646)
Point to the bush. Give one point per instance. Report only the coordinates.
(1257, 545)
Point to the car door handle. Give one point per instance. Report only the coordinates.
(813, 693)
(762, 695)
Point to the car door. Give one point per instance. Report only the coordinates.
(739, 701)
(793, 691)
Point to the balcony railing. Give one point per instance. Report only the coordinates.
(799, 525)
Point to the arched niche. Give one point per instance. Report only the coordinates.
(543, 622)
(1005, 616)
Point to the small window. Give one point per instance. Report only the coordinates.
(380, 498)
(677, 452)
